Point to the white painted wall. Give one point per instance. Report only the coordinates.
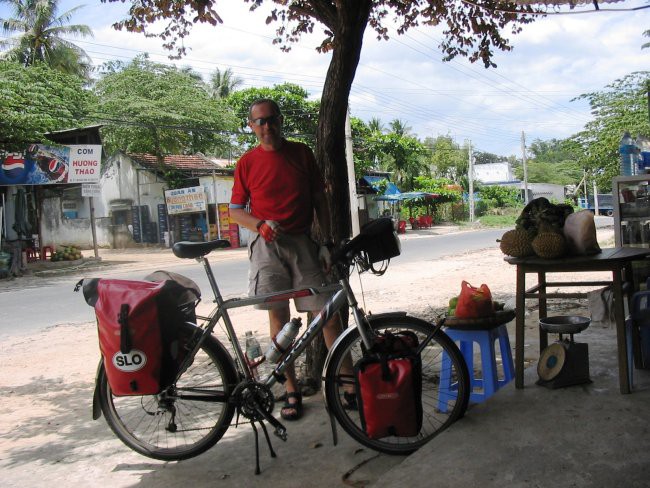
(493, 172)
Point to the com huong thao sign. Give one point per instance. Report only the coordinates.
(185, 200)
(41, 165)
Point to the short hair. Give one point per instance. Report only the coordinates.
(260, 101)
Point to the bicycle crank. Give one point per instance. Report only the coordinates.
(255, 402)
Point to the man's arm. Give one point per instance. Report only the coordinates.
(243, 218)
(269, 230)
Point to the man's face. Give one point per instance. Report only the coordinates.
(266, 124)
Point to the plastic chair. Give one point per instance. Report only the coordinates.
(401, 227)
(637, 333)
(31, 254)
(414, 223)
(46, 252)
(489, 382)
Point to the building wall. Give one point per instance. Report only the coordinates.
(58, 230)
(493, 172)
(66, 220)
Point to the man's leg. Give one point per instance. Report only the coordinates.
(278, 317)
(331, 331)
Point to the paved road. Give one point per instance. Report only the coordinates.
(27, 309)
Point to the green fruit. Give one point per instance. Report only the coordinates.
(453, 302)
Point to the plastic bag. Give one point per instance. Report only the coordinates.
(474, 302)
(580, 233)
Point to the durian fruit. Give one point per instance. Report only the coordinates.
(517, 243)
(549, 245)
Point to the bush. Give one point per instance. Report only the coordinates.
(501, 196)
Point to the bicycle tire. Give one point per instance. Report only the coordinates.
(434, 420)
(143, 422)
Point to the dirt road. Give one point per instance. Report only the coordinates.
(46, 380)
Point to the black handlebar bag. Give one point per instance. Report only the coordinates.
(389, 387)
(138, 327)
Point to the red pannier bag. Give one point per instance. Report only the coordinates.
(137, 323)
(389, 387)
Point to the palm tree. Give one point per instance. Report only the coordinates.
(40, 29)
(399, 127)
(376, 125)
(223, 83)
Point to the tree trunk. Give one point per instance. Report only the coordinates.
(352, 18)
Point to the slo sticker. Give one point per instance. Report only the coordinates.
(132, 361)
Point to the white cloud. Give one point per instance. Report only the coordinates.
(554, 60)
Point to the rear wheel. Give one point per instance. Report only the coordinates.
(440, 408)
(187, 418)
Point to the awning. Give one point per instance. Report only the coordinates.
(410, 195)
(374, 181)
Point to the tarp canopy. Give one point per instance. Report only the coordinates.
(374, 183)
(410, 195)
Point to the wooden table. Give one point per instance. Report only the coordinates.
(618, 260)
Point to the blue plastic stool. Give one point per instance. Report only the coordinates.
(489, 383)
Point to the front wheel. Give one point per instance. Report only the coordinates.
(440, 407)
(184, 420)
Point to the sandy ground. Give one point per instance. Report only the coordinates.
(46, 381)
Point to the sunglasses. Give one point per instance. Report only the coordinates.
(272, 120)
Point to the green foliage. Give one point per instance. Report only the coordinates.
(174, 178)
(501, 196)
(445, 188)
(37, 99)
(223, 83)
(300, 114)
(403, 157)
(553, 161)
(500, 220)
(41, 37)
(481, 157)
(158, 109)
(621, 106)
(447, 159)
(365, 151)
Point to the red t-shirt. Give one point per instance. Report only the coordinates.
(280, 185)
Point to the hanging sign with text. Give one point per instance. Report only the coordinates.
(185, 200)
(42, 165)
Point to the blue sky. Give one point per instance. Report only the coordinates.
(554, 60)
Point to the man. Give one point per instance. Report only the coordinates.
(281, 182)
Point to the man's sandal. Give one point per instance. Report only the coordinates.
(292, 411)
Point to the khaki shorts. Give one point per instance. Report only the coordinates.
(291, 261)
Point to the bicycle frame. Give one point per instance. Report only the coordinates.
(343, 295)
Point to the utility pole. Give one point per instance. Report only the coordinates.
(523, 159)
(352, 181)
(470, 178)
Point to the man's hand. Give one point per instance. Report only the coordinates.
(325, 257)
(270, 230)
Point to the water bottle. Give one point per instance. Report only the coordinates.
(281, 342)
(629, 155)
(643, 146)
(253, 351)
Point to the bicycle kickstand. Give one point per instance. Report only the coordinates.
(257, 444)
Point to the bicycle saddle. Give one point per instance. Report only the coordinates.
(185, 249)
